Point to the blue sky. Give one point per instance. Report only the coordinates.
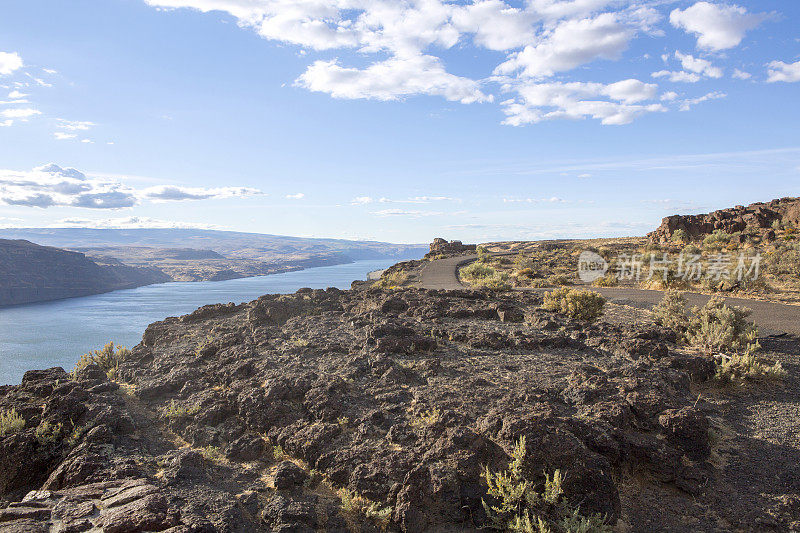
(397, 121)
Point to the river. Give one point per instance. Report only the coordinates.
(47, 334)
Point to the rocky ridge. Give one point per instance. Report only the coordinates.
(756, 220)
(33, 273)
(277, 414)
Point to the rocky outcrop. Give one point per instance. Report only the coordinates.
(279, 414)
(441, 247)
(33, 273)
(756, 220)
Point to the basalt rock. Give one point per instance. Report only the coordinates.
(755, 219)
(351, 411)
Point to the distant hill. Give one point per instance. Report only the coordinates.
(99, 260)
(32, 273)
(230, 244)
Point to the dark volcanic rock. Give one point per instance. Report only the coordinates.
(756, 219)
(330, 410)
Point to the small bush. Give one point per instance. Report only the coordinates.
(427, 418)
(609, 280)
(718, 239)
(583, 305)
(747, 366)
(691, 249)
(477, 270)
(47, 433)
(356, 506)
(524, 273)
(10, 422)
(108, 359)
(559, 280)
(176, 410)
(679, 236)
(716, 328)
(517, 506)
(671, 313)
(393, 280)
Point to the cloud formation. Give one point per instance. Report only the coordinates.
(403, 44)
(780, 71)
(717, 26)
(9, 62)
(51, 185)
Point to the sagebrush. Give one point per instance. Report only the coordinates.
(575, 303)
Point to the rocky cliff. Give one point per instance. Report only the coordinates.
(369, 410)
(759, 220)
(33, 273)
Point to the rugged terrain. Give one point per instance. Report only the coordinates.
(362, 410)
(759, 222)
(33, 273)
(112, 259)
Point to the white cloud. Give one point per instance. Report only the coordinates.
(171, 193)
(9, 62)
(576, 100)
(391, 79)
(73, 125)
(362, 200)
(405, 213)
(551, 200)
(22, 113)
(61, 136)
(399, 44)
(572, 43)
(700, 66)
(780, 71)
(133, 222)
(15, 95)
(584, 175)
(496, 25)
(669, 96)
(297, 196)
(717, 26)
(51, 185)
(679, 76)
(741, 75)
(686, 105)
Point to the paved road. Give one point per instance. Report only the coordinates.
(441, 274)
(770, 317)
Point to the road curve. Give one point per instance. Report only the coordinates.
(443, 273)
(771, 318)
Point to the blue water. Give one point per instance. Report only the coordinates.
(56, 333)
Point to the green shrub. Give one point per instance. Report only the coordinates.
(516, 505)
(691, 249)
(716, 328)
(558, 280)
(393, 280)
(718, 239)
(176, 410)
(583, 305)
(679, 235)
(670, 312)
(609, 280)
(524, 273)
(747, 366)
(10, 422)
(108, 359)
(477, 270)
(47, 433)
